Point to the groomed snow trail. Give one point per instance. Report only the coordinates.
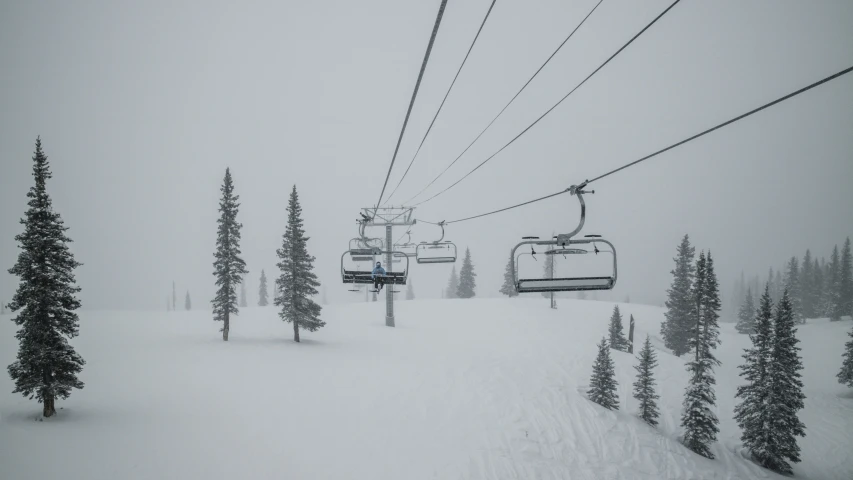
(463, 389)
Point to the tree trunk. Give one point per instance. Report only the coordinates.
(295, 331)
(226, 326)
(49, 409)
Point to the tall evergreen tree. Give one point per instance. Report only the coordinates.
(467, 283)
(807, 289)
(833, 287)
(644, 386)
(845, 280)
(46, 366)
(617, 336)
(263, 301)
(679, 303)
(508, 287)
(699, 421)
(793, 285)
(452, 284)
(603, 382)
(746, 314)
(786, 392)
(845, 376)
(228, 266)
(410, 291)
(188, 304)
(297, 281)
(752, 413)
(819, 286)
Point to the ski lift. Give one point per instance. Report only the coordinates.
(568, 247)
(408, 248)
(361, 276)
(437, 251)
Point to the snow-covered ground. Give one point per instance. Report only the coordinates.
(459, 389)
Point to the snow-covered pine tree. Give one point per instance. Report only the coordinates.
(47, 365)
(452, 284)
(751, 413)
(845, 376)
(845, 280)
(644, 386)
(228, 266)
(793, 285)
(833, 287)
(746, 314)
(698, 420)
(188, 304)
(679, 303)
(807, 290)
(467, 283)
(174, 297)
(410, 290)
(263, 301)
(819, 285)
(508, 287)
(603, 382)
(615, 331)
(297, 281)
(780, 285)
(771, 282)
(786, 391)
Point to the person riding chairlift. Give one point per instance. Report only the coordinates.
(378, 276)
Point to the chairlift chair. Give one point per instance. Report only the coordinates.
(565, 245)
(365, 277)
(436, 252)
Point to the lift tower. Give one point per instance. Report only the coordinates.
(388, 217)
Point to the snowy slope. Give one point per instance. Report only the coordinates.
(460, 389)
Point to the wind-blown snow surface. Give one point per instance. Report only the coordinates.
(459, 389)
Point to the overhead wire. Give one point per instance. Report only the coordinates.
(442, 101)
(508, 103)
(674, 145)
(553, 107)
(414, 95)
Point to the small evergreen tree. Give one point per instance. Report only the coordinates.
(508, 287)
(467, 284)
(603, 382)
(410, 291)
(752, 413)
(46, 366)
(833, 287)
(243, 302)
(297, 281)
(262, 290)
(845, 376)
(188, 304)
(845, 280)
(807, 287)
(679, 303)
(746, 314)
(785, 393)
(698, 420)
(617, 337)
(792, 284)
(644, 386)
(228, 266)
(452, 284)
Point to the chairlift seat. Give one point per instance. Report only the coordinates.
(428, 253)
(530, 285)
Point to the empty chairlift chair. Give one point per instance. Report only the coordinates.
(570, 249)
(436, 252)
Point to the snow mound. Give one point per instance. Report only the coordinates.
(490, 388)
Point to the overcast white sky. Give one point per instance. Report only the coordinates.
(142, 105)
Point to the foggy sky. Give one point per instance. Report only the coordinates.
(142, 105)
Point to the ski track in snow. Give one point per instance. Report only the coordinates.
(461, 389)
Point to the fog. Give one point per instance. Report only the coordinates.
(142, 105)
